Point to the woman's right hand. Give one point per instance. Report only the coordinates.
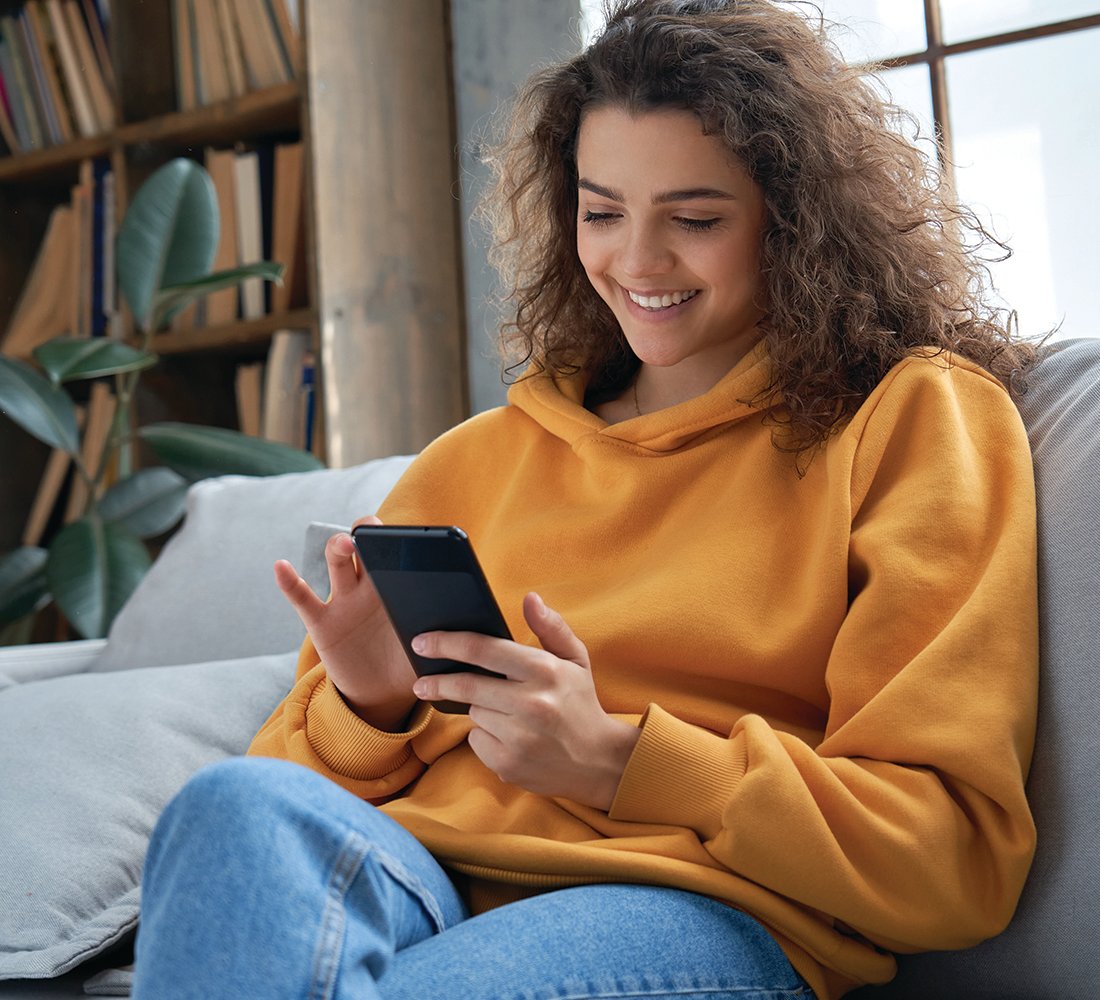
(353, 635)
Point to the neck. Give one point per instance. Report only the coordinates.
(656, 387)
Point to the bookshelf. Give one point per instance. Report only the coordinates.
(383, 300)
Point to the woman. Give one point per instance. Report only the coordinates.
(761, 519)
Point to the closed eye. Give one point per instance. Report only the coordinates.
(599, 219)
(697, 225)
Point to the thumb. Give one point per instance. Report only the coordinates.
(553, 632)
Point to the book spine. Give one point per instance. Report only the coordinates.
(43, 34)
(20, 90)
(14, 102)
(36, 62)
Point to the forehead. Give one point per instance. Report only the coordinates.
(663, 148)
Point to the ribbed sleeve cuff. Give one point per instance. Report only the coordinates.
(679, 774)
(348, 745)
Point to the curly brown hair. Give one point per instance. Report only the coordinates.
(865, 255)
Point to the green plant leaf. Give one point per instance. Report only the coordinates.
(37, 406)
(148, 503)
(66, 359)
(23, 586)
(198, 452)
(92, 569)
(170, 300)
(169, 234)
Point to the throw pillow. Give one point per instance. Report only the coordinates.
(211, 593)
(88, 762)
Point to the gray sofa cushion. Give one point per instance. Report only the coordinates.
(92, 760)
(196, 605)
(1049, 949)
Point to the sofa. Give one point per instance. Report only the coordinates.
(96, 736)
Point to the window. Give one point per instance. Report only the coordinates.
(1012, 88)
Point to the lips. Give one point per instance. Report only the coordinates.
(661, 300)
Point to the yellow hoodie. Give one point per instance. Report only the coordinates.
(834, 675)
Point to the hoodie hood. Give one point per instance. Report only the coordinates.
(556, 403)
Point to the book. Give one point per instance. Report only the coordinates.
(97, 430)
(99, 306)
(250, 239)
(40, 28)
(79, 94)
(258, 47)
(212, 65)
(283, 399)
(268, 31)
(83, 198)
(102, 101)
(44, 307)
(97, 31)
(49, 489)
(20, 92)
(286, 34)
(231, 46)
(186, 93)
(15, 131)
(7, 126)
(249, 384)
(36, 71)
(221, 306)
(288, 233)
(111, 317)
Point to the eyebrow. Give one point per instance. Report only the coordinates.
(684, 194)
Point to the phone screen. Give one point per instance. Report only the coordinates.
(428, 579)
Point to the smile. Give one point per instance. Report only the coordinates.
(663, 301)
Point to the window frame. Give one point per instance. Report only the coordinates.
(937, 52)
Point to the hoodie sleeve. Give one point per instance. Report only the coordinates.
(315, 727)
(907, 823)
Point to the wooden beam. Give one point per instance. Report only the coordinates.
(387, 263)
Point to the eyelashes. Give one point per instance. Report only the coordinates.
(601, 220)
(598, 220)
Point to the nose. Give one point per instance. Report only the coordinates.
(644, 253)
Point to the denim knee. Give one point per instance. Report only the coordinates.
(233, 797)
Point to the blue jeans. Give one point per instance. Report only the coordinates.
(266, 880)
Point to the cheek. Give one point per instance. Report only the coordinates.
(593, 258)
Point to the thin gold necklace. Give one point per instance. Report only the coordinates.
(634, 386)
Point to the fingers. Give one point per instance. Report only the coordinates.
(491, 693)
(343, 567)
(553, 632)
(301, 596)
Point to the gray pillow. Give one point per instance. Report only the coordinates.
(88, 761)
(211, 594)
(1049, 949)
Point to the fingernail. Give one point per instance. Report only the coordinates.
(420, 688)
(419, 644)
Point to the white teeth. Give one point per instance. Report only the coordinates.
(662, 301)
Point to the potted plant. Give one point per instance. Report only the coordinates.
(164, 251)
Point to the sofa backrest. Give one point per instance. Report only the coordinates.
(1050, 948)
(211, 594)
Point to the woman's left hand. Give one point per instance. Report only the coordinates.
(540, 726)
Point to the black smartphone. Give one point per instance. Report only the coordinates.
(429, 579)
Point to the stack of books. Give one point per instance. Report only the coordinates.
(56, 82)
(225, 48)
(71, 288)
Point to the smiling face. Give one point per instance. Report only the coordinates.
(668, 231)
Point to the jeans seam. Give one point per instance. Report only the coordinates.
(330, 936)
(414, 885)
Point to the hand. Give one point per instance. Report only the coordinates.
(540, 726)
(353, 635)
